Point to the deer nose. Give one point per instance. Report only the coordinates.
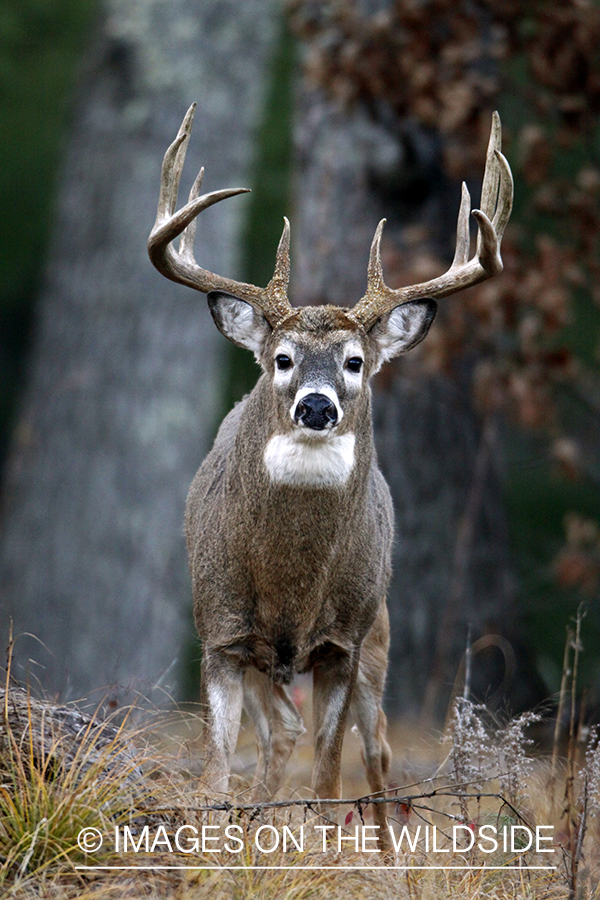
(316, 411)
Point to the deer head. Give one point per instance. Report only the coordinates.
(319, 359)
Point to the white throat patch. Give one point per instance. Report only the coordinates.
(326, 463)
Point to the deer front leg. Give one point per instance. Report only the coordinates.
(333, 681)
(222, 694)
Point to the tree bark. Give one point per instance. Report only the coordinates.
(126, 368)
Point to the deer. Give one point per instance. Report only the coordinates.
(289, 521)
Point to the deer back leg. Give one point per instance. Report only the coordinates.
(221, 697)
(368, 713)
(278, 725)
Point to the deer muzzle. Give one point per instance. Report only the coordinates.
(316, 411)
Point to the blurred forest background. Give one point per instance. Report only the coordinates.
(113, 381)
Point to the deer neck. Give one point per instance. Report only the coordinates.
(293, 537)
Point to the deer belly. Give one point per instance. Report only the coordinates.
(280, 657)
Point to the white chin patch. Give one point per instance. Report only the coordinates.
(291, 459)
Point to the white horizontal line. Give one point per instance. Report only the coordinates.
(353, 868)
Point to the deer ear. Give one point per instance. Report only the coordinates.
(239, 321)
(402, 328)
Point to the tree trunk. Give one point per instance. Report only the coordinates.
(452, 567)
(126, 368)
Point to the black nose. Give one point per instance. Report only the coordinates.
(316, 411)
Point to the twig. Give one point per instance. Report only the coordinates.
(566, 672)
(468, 662)
(357, 802)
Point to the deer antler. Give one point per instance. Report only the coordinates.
(496, 205)
(181, 266)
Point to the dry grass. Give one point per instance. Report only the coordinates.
(44, 805)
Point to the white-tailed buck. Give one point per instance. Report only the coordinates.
(289, 521)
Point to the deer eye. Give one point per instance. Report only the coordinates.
(282, 361)
(354, 364)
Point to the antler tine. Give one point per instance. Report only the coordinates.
(281, 276)
(491, 175)
(172, 168)
(181, 266)
(496, 205)
(375, 281)
(186, 243)
(463, 238)
(505, 196)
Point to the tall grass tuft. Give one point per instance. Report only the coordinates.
(60, 771)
